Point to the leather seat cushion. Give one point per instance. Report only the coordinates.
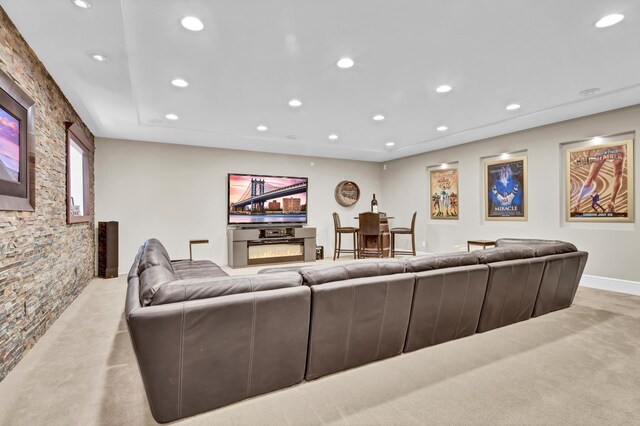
(500, 254)
(324, 274)
(346, 229)
(439, 261)
(197, 269)
(204, 288)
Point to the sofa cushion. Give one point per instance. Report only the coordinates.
(204, 288)
(499, 254)
(196, 269)
(151, 258)
(324, 274)
(151, 279)
(559, 247)
(155, 245)
(439, 261)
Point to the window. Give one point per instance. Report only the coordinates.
(79, 150)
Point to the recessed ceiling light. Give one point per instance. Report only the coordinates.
(345, 63)
(442, 128)
(171, 117)
(444, 88)
(333, 137)
(389, 144)
(378, 117)
(590, 92)
(99, 58)
(609, 20)
(295, 103)
(84, 4)
(178, 82)
(512, 107)
(262, 128)
(192, 23)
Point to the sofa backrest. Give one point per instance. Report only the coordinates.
(356, 321)
(205, 288)
(440, 261)
(559, 283)
(446, 305)
(540, 247)
(325, 274)
(501, 254)
(154, 254)
(512, 289)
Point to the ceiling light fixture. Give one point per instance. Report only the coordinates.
(333, 137)
(345, 63)
(262, 128)
(83, 4)
(590, 92)
(99, 58)
(512, 107)
(609, 20)
(442, 128)
(378, 117)
(444, 88)
(171, 117)
(295, 103)
(178, 82)
(192, 23)
(389, 144)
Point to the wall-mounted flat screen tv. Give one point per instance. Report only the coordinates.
(9, 147)
(260, 199)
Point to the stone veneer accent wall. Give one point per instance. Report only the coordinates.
(44, 263)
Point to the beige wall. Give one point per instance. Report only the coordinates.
(613, 248)
(177, 192)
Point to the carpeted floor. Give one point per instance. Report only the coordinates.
(577, 366)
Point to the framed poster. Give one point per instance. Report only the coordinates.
(443, 184)
(505, 186)
(600, 182)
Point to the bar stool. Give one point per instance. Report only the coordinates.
(339, 230)
(404, 231)
(370, 227)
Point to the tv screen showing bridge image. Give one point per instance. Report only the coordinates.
(255, 199)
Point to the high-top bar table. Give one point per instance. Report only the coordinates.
(370, 242)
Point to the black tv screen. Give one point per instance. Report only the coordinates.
(260, 199)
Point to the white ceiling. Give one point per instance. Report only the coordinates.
(255, 55)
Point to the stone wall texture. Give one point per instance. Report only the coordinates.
(44, 262)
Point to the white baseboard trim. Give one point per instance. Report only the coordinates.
(611, 284)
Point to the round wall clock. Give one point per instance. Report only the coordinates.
(347, 193)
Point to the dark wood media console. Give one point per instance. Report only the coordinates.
(258, 246)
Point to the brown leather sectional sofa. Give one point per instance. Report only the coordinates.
(204, 339)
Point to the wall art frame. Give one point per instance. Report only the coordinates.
(599, 180)
(17, 193)
(505, 189)
(444, 193)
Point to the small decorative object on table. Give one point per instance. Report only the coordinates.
(374, 204)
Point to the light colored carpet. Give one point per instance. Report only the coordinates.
(577, 366)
